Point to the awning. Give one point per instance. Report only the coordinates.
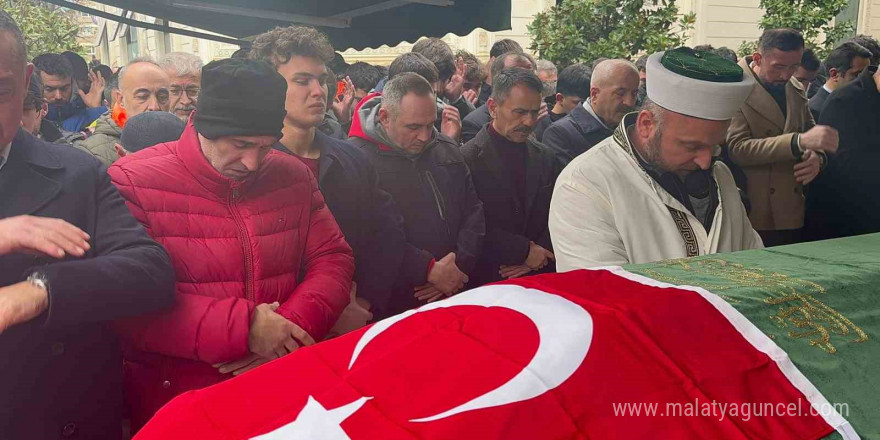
(354, 24)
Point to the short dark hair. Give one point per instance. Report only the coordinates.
(439, 53)
(507, 79)
(414, 63)
(503, 46)
(574, 80)
(78, 63)
(642, 63)
(498, 64)
(704, 48)
(726, 53)
(280, 44)
(331, 87)
(363, 75)
(8, 24)
(111, 85)
(841, 58)
(33, 101)
(810, 61)
(784, 39)
(105, 71)
(241, 53)
(475, 70)
(338, 63)
(53, 64)
(870, 43)
(401, 85)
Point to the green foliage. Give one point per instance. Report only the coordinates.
(811, 17)
(584, 30)
(46, 28)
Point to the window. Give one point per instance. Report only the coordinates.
(133, 49)
(850, 13)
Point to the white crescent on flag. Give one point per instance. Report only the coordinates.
(565, 332)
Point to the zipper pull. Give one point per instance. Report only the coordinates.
(235, 193)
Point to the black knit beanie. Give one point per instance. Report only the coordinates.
(240, 97)
(150, 128)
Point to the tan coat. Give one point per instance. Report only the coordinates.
(759, 139)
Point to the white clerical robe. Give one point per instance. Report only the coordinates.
(606, 210)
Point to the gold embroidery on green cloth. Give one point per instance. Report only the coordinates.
(796, 305)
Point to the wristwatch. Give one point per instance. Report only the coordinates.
(38, 279)
(796, 149)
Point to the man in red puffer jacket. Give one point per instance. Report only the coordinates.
(261, 265)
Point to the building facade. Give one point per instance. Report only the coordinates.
(719, 23)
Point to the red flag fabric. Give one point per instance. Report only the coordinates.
(561, 356)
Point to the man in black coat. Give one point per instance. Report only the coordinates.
(476, 120)
(427, 177)
(366, 214)
(572, 88)
(845, 199)
(844, 64)
(514, 176)
(72, 259)
(614, 88)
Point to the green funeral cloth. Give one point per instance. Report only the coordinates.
(820, 302)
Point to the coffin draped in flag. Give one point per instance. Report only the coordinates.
(582, 355)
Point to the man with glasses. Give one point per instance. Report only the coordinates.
(185, 71)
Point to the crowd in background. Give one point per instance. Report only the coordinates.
(272, 200)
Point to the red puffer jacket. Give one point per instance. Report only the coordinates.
(234, 245)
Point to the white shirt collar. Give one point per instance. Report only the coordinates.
(826, 88)
(588, 106)
(4, 153)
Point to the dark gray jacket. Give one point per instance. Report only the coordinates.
(574, 134)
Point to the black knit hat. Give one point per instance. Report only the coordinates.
(240, 97)
(150, 128)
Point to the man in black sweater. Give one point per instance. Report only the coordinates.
(514, 176)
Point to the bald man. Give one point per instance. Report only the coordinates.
(614, 88)
(143, 87)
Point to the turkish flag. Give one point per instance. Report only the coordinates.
(560, 356)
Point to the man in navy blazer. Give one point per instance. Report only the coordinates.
(72, 259)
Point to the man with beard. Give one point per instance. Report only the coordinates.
(69, 111)
(653, 191)
(185, 72)
(773, 138)
(614, 88)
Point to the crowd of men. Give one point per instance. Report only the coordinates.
(269, 201)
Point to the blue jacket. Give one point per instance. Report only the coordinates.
(74, 116)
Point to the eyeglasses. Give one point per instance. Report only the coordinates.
(192, 92)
